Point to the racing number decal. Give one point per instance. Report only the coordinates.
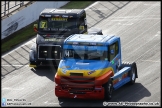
(67, 53)
(43, 24)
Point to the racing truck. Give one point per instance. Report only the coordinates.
(53, 27)
(91, 67)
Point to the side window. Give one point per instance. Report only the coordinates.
(113, 50)
(81, 21)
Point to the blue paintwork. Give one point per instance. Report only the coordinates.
(121, 83)
(83, 47)
(88, 38)
(75, 64)
(106, 41)
(121, 72)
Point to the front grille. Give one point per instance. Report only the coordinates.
(77, 83)
(49, 52)
(76, 74)
(77, 79)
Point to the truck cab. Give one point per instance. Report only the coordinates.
(91, 67)
(55, 25)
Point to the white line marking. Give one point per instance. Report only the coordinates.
(125, 24)
(91, 5)
(138, 48)
(152, 4)
(53, 103)
(17, 48)
(14, 76)
(135, 19)
(150, 61)
(127, 44)
(147, 51)
(139, 91)
(15, 65)
(141, 14)
(158, 33)
(42, 95)
(129, 17)
(9, 88)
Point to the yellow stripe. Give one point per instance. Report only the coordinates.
(32, 65)
(85, 33)
(85, 72)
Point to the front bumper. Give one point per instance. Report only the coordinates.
(94, 94)
(44, 63)
(81, 87)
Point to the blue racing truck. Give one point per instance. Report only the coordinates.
(91, 67)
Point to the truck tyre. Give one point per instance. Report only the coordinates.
(108, 89)
(132, 73)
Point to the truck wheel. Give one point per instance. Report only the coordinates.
(132, 73)
(108, 89)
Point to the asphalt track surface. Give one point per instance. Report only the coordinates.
(138, 25)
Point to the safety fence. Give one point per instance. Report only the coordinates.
(8, 7)
(25, 16)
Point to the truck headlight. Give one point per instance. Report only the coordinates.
(45, 53)
(64, 71)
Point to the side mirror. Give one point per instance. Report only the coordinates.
(35, 27)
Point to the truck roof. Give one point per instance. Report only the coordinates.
(90, 38)
(62, 11)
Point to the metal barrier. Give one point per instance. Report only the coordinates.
(8, 7)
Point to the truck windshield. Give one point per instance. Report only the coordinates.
(52, 24)
(85, 55)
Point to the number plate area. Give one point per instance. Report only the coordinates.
(49, 52)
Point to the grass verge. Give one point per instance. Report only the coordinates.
(27, 32)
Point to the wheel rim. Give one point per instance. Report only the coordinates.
(110, 88)
(133, 74)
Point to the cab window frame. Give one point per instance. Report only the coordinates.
(114, 46)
